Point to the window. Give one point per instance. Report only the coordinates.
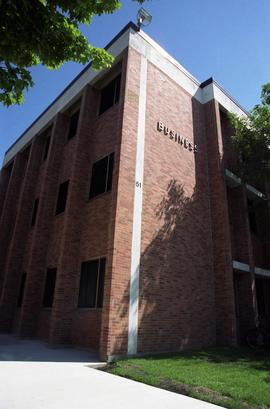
(73, 124)
(92, 284)
(46, 147)
(252, 217)
(110, 94)
(34, 213)
(62, 197)
(21, 292)
(101, 180)
(49, 288)
(260, 297)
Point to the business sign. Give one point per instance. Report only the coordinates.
(176, 137)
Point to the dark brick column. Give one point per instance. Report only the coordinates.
(4, 180)
(246, 284)
(36, 268)
(15, 253)
(10, 206)
(224, 289)
(117, 233)
(69, 264)
(263, 218)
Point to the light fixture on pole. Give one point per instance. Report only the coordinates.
(143, 18)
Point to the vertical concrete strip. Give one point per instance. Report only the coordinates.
(137, 216)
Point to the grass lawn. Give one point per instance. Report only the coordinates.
(230, 377)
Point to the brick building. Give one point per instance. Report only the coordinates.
(124, 226)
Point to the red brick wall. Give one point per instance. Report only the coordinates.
(116, 292)
(9, 209)
(86, 327)
(186, 277)
(239, 225)
(222, 252)
(43, 325)
(84, 231)
(15, 253)
(176, 279)
(4, 181)
(261, 241)
(245, 314)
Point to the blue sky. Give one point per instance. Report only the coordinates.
(228, 40)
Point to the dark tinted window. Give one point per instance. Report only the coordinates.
(34, 214)
(101, 178)
(252, 217)
(110, 94)
(92, 284)
(101, 278)
(62, 197)
(49, 287)
(260, 296)
(73, 125)
(21, 292)
(46, 147)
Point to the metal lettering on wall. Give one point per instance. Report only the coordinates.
(176, 137)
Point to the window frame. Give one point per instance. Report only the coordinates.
(109, 177)
(77, 112)
(34, 212)
(21, 292)
(106, 84)
(252, 217)
(45, 288)
(66, 199)
(97, 288)
(46, 147)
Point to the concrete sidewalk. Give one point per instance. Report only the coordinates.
(34, 376)
(35, 385)
(12, 349)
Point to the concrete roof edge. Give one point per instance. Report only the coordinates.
(211, 80)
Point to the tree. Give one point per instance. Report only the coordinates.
(45, 32)
(252, 142)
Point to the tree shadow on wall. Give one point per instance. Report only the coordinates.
(173, 312)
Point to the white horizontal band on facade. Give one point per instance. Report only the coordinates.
(233, 180)
(262, 272)
(238, 265)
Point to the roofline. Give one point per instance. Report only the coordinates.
(127, 27)
(211, 80)
(208, 89)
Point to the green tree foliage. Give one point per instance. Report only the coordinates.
(252, 141)
(45, 32)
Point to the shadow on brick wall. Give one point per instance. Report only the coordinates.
(176, 305)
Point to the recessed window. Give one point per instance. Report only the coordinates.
(62, 197)
(110, 94)
(21, 292)
(259, 284)
(92, 284)
(46, 147)
(49, 288)
(252, 217)
(73, 124)
(101, 180)
(34, 213)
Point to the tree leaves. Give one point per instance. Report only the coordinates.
(252, 140)
(45, 32)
